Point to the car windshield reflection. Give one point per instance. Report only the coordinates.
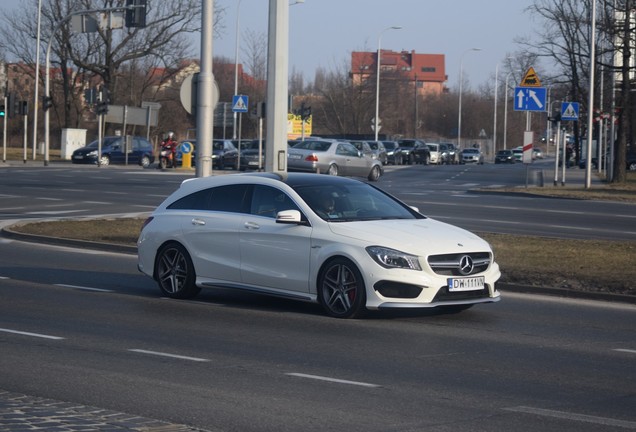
(354, 203)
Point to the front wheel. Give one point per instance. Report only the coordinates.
(174, 272)
(341, 289)
(145, 161)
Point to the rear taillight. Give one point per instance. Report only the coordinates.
(312, 158)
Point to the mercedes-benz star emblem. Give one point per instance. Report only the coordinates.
(466, 265)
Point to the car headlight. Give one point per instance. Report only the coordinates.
(93, 153)
(391, 258)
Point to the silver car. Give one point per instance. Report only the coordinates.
(332, 157)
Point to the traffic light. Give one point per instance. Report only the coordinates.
(47, 102)
(305, 112)
(2, 112)
(10, 105)
(136, 13)
(24, 108)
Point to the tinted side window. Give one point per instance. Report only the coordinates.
(229, 198)
(268, 201)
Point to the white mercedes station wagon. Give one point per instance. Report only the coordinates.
(337, 241)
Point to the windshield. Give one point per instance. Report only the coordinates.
(350, 203)
(106, 142)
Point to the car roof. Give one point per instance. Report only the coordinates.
(293, 179)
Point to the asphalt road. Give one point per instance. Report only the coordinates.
(447, 193)
(87, 328)
(88, 333)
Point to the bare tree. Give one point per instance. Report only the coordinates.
(105, 53)
(566, 41)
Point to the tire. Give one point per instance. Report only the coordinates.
(104, 160)
(145, 161)
(162, 163)
(632, 166)
(341, 289)
(411, 160)
(427, 160)
(333, 170)
(375, 173)
(175, 273)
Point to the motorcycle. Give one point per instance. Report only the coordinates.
(167, 157)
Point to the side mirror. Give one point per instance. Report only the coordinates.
(289, 217)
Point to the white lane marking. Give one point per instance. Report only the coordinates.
(52, 212)
(625, 350)
(83, 288)
(30, 334)
(97, 202)
(169, 355)
(340, 381)
(573, 416)
(49, 199)
(4, 277)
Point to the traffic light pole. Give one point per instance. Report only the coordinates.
(4, 132)
(47, 91)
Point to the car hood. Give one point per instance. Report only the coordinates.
(420, 236)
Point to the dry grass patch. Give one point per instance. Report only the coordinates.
(588, 265)
(118, 231)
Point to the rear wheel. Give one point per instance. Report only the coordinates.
(375, 173)
(333, 170)
(341, 289)
(174, 272)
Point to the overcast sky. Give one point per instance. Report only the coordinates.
(323, 33)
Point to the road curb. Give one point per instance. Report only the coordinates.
(7, 232)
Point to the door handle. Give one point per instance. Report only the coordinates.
(252, 226)
(199, 222)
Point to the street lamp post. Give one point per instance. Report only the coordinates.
(236, 59)
(459, 116)
(376, 120)
(506, 113)
(494, 126)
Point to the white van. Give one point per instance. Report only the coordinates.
(436, 156)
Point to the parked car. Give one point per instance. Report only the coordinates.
(403, 153)
(391, 147)
(537, 153)
(631, 161)
(224, 154)
(450, 154)
(472, 155)
(435, 154)
(505, 156)
(332, 157)
(249, 155)
(518, 152)
(141, 152)
(421, 153)
(379, 151)
(348, 245)
(364, 147)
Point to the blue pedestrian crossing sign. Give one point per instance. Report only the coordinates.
(240, 103)
(569, 111)
(530, 98)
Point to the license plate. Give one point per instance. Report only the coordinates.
(78, 157)
(294, 156)
(466, 284)
(252, 163)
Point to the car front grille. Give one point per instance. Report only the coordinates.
(451, 264)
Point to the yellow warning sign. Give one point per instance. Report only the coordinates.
(531, 79)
